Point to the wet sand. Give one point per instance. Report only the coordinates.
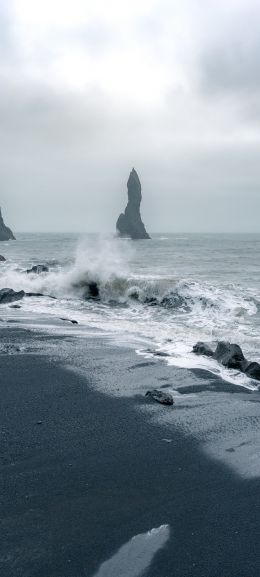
(82, 473)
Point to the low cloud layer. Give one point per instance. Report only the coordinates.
(89, 90)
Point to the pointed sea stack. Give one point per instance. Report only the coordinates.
(130, 223)
(5, 232)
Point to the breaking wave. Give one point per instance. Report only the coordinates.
(102, 273)
(98, 289)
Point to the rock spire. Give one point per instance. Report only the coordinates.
(5, 232)
(129, 223)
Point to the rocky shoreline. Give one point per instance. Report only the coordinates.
(231, 356)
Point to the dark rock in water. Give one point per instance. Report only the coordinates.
(90, 289)
(93, 289)
(160, 397)
(8, 295)
(161, 354)
(38, 269)
(134, 295)
(202, 349)
(129, 223)
(174, 301)
(230, 355)
(15, 307)
(252, 370)
(152, 301)
(69, 321)
(36, 295)
(5, 232)
(2, 258)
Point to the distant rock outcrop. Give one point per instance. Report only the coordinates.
(129, 223)
(5, 232)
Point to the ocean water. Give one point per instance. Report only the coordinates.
(166, 293)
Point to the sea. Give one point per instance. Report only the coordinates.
(163, 294)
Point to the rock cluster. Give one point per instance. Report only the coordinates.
(231, 356)
(38, 269)
(129, 223)
(8, 295)
(5, 232)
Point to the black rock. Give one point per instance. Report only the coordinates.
(202, 349)
(230, 355)
(38, 269)
(252, 370)
(93, 289)
(5, 232)
(36, 295)
(8, 295)
(129, 224)
(15, 307)
(90, 289)
(160, 397)
(174, 301)
(152, 301)
(2, 258)
(69, 321)
(134, 295)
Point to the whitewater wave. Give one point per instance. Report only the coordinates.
(98, 289)
(81, 282)
(103, 272)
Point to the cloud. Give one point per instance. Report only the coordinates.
(87, 95)
(230, 59)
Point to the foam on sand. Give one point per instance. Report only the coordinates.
(133, 558)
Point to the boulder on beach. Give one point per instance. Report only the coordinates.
(253, 370)
(230, 355)
(8, 295)
(202, 348)
(5, 232)
(129, 223)
(160, 397)
(38, 269)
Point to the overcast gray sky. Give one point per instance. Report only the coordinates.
(89, 89)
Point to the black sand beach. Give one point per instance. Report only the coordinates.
(83, 472)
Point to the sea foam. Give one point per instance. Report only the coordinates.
(133, 558)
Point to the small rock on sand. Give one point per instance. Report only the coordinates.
(160, 397)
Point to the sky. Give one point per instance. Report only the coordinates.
(91, 89)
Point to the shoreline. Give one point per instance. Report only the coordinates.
(83, 472)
